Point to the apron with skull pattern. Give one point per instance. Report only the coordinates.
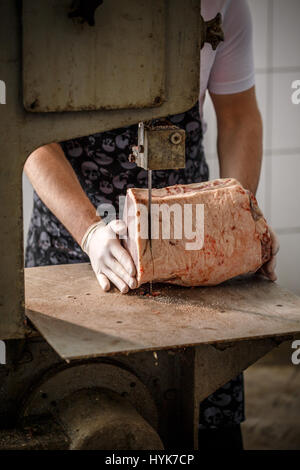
(101, 164)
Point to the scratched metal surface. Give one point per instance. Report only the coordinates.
(122, 62)
(78, 320)
(79, 67)
(25, 131)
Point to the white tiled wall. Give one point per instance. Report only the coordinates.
(285, 18)
(285, 192)
(277, 61)
(286, 115)
(261, 26)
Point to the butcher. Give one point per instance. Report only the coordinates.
(73, 177)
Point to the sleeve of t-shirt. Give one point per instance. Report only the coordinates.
(233, 68)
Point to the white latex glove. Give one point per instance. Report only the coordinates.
(109, 260)
(268, 269)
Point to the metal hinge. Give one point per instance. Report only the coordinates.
(211, 31)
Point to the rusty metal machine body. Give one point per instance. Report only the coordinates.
(56, 88)
(150, 401)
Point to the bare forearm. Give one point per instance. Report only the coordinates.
(240, 151)
(239, 137)
(56, 183)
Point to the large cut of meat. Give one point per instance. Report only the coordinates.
(235, 240)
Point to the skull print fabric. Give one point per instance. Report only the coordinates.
(225, 407)
(101, 164)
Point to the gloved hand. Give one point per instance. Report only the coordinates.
(268, 269)
(109, 260)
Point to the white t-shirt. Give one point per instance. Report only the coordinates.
(230, 68)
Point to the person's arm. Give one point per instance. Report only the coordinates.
(231, 85)
(56, 183)
(239, 146)
(239, 140)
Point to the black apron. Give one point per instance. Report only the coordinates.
(101, 164)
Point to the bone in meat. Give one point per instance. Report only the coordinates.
(236, 236)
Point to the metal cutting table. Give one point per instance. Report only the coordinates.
(199, 338)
